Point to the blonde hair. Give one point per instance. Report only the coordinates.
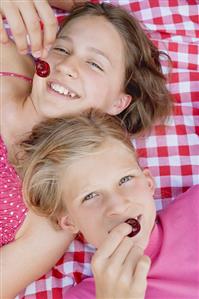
(144, 80)
(51, 148)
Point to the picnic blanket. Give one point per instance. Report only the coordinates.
(171, 151)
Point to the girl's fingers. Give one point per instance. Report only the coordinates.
(113, 240)
(32, 23)
(50, 25)
(109, 255)
(142, 268)
(24, 18)
(3, 33)
(130, 263)
(118, 258)
(17, 26)
(139, 282)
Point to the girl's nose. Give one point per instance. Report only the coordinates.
(117, 205)
(69, 67)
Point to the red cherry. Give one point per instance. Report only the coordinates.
(42, 68)
(135, 226)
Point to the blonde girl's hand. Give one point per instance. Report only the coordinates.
(120, 269)
(24, 19)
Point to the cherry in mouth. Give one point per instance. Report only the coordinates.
(135, 226)
(42, 68)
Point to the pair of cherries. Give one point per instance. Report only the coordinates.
(42, 68)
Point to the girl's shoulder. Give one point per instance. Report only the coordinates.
(13, 62)
(15, 69)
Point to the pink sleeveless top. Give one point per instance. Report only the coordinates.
(12, 207)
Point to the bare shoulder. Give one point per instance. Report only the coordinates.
(13, 90)
(12, 61)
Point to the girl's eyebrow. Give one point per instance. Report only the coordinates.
(101, 53)
(92, 49)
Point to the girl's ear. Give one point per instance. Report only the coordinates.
(150, 179)
(120, 104)
(66, 223)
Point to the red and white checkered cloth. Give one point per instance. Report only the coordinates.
(172, 151)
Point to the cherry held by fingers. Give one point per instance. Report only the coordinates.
(135, 226)
(42, 68)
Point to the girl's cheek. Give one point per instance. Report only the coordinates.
(53, 58)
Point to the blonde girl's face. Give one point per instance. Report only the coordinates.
(87, 70)
(107, 188)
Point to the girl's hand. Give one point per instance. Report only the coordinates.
(24, 20)
(119, 266)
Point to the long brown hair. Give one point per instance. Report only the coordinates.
(144, 80)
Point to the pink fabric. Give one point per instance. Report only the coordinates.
(12, 208)
(174, 252)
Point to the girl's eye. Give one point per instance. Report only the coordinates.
(125, 179)
(90, 196)
(61, 50)
(95, 65)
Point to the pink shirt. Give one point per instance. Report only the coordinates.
(174, 252)
(12, 207)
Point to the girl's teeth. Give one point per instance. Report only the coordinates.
(62, 90)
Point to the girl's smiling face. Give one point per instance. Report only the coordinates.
(104, 189)
(87, 70)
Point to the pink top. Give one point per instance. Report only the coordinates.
(174, 253)
(12, 208)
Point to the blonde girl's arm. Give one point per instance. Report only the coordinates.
(35, 251)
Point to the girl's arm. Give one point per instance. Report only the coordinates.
(13, 90)
(24, 19)
(12, 61)
(35, 251)
(120, 268)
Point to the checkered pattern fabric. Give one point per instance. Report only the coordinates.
(170, 151)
